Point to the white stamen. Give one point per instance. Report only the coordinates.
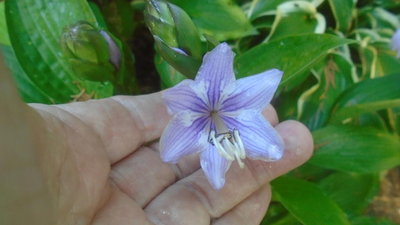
(229, 145)
(235, 145)
(218, 146)
(239, 160)
(240, 143)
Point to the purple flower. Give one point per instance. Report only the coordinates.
(220, 117)
(396, 42)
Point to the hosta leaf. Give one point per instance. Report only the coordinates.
(334, 76)
(371, 119)
(384, 18)
(297, 17)
(288, 219)
(3, 26)
(307, 202)
(352, 192)
(378, 60)
(386, 62)
(27, 89)
(259, 8)
(368, 95)
(169, 76)
(294, 24)
(343, 12)
(35, 31)
(368, 57)
(394, 119)
(280, 54)
(355, 149)
(368, 220)
(219, 18)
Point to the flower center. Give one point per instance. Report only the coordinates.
(227, 142)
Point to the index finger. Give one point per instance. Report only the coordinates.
(123, 123)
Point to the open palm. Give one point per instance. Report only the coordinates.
(101, 161)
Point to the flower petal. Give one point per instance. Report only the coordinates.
(217, 71)
(214, 166)
(183, 97)
(260, 139)
(253, 92)
(184, 134)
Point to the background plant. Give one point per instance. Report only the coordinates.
(340, 77)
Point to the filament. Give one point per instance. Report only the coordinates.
(229, 145)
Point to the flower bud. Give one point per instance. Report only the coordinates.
(160, 22)
(177, 58)
(177, 39)
(174, 27)
(92, 53)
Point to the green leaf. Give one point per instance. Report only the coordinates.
(343, 12)
(377, 59)
(261, 7)
(368, 57)
(370, 119)
(293, 24)
(219, 18)
(169, 76)
(292, 54)
(367, 96)
(355, 149)
(98, 14)
(352, 192)
(384, 18)
(386, 61)
(35, 31)
(296, 17)
(310, 172)
(307, 202)
(29, 92)
(394, 119)
(288, 219)
(334, 75)
(369, 220)
(4, 39)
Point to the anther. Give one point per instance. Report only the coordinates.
(216, 142)
(229, 145)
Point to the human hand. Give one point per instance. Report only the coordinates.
(103, 169)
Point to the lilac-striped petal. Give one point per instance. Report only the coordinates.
(217, 71)
(396, 42)
(182, 97)
(214, 166)
(260, 139)
(253, 92)
(184, 134)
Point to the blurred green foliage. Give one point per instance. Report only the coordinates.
(341, 78)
